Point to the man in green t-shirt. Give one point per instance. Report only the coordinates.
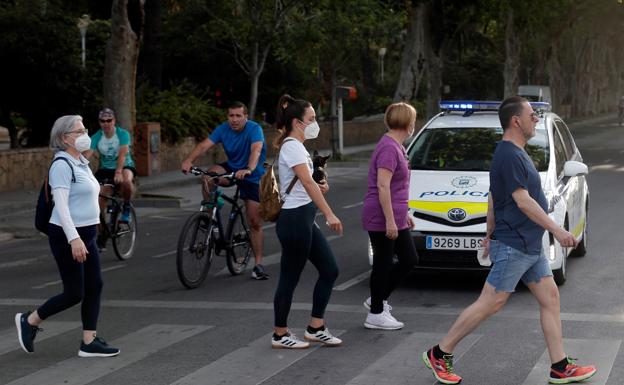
(112, 144)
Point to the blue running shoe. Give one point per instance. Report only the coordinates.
(125, 213)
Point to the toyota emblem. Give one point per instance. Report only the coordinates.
(457, 214)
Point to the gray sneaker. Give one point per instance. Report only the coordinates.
(259, 273)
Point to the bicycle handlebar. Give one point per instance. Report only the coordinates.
(198, 171)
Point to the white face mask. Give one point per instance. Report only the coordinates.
(311, 131)
(82, 143)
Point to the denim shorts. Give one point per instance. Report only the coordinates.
(248, 190)
(510, 265)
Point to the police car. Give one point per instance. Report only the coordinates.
(449, 184)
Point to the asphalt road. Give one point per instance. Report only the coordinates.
(219, 333)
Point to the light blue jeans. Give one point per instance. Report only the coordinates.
(510, 265)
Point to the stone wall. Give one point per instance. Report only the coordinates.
(356, 132)
(24, 169)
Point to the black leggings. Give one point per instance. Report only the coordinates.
(301, 240)
(386, 275)
(81, 281)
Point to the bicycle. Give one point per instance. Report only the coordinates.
(122, 234)
(203, 236)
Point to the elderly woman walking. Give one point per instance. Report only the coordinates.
(72, 234)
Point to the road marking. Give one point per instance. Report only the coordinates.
(600, 353)
(8, 337)
(52, 283)
(353, 205)
(353, 281)
(134, 347)
(358, 308)
(20, 262)
(242, 367)
(268, 260)
(162, 217)
(399, 366)
(164, 254)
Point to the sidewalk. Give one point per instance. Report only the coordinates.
(17, 208)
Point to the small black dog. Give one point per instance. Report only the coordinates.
(318, 164)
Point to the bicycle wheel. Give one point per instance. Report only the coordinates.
(195, 250)
(239, 251)
(124, 236)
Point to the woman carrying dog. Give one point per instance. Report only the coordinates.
(385, 215)
(298, 233)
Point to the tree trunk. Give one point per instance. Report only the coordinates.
(433, 65)
(411, 72)
(120, 66)
(512, 57)
(151, 60)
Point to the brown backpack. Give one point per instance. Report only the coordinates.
(270, 200)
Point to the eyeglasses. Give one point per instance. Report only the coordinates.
(106, 120)
(81, 132)
(531, 115)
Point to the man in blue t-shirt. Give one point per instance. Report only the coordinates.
(112, 145)
(516, 220)
(245, 148)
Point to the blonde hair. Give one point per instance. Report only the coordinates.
(400, 116)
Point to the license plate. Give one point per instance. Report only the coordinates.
(437, 242)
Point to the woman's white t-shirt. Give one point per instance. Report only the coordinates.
(292, 154)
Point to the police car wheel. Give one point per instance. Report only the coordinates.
(581, 249)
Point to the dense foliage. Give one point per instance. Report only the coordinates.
(199, 55)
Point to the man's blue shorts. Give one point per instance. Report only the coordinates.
(248, 190)
(510, 265)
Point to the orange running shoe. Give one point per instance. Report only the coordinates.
(572, 373)
(442, 368)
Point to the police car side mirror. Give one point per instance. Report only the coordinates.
(574, 168)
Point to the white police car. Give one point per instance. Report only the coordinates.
(449, 185)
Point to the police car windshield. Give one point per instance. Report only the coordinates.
(468, 149)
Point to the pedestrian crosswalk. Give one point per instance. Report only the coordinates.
(254, 362)
(135, 346)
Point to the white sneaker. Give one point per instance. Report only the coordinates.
(386, 308)
(382, 321)
(324, 337)
(289, 341)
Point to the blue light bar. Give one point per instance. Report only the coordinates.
(484, 105)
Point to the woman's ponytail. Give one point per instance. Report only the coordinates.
(288, 108)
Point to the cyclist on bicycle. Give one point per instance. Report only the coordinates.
(112, 144)
(245, 148)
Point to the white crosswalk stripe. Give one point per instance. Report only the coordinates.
(256, 362)
(134, 347)
(8, 337)
(600, 353)
(245, 367)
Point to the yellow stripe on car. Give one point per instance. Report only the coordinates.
(578, 229)
(471, 208)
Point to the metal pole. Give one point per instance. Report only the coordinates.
(83, 32)
(83, 24)
(340, 127)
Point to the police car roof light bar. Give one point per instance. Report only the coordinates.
(484, 105)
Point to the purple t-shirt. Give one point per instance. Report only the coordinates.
(390, 155)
